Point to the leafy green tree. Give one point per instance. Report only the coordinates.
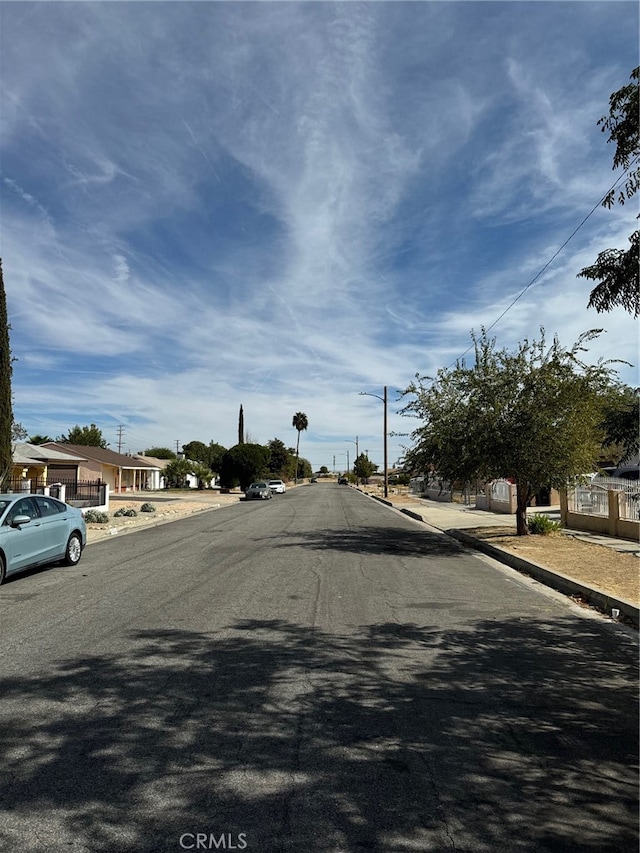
(6, 409)
(363, 467)
(243, 464)
(323, 469)
(196, 451)
(208, 454)
(89, 436)
(305, 470)
(160, 453)
(216, 452)
(176, 473)
(616, 270)
(621, 422)
(281, 460)
(203, 474)
(300, 422)
(532, 415)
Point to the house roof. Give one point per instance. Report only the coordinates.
(154, 461)
(35, 454)
(103, 455)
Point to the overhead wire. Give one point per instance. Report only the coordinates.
(552, 259)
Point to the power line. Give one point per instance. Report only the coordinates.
(552, 259)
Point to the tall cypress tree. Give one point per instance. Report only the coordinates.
(241, 426)
(6, 414)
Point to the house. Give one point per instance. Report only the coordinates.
(156, 479)
(120, 472)
(36, 466)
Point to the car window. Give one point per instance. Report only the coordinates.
(25, 506)
(49, 506)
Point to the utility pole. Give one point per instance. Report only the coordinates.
(177, 446)
(120, 434)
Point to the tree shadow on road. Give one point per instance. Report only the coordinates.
(514, 735)
(376, 540)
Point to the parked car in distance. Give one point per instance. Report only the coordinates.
(259, 491)
(36, 530)
(277, 486)
(343, 481)
(313, 480)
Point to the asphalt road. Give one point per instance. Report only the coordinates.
(313, 673)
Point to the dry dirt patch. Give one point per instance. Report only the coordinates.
(594, 565)
(166, 510)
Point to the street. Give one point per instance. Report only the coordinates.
(312, 673)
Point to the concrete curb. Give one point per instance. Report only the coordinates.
(599, 598)
(562, 583)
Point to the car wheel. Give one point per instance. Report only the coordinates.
(3, 570)
(74, 550)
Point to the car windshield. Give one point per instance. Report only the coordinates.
(259, 486)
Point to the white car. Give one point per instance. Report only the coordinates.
(277, 486)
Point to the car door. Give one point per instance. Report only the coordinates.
(55, 524)
(24, 546)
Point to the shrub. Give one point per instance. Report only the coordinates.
(543, 525)
(125, 511)
(94, 516)
(147, 508)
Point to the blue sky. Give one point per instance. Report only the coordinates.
(283, 204)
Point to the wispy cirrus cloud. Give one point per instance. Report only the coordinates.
(284, 204)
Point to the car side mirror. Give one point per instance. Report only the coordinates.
(19, 520)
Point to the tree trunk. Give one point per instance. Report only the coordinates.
(295, 480)
(523, 496)
(6, 411)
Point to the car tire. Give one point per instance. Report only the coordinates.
(73, 550)
(3, 570)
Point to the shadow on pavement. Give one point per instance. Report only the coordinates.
(516, 736)
(374, 540)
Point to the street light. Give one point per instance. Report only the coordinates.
(384, 400)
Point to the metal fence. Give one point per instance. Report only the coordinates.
(81, 493)
(593, 498)
(19, 485)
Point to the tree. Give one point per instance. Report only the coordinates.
(300, 422)
(616, 270)
(243, 464)
(18, 432)
(39, 439)
(202, 473)
(363, 467)
(621, 421)
(197, 451)
(209, 455)
(6, 409)
(89, 436)
(175, 473)
(281, 460)
(216, 452)
(160, 453)
(241, 426)
(533, 415)
(305, 469)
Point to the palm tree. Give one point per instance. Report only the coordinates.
(300, 422)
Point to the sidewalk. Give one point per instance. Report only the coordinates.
(456, 520)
